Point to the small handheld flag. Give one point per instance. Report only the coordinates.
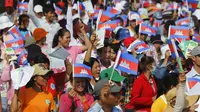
(82, 70)
(139, 46)
(146, 29)
(22, 58)
(22, 6)
(127, 63)
(179, 32)
(57, 9)
(14, 31)
(183, 22)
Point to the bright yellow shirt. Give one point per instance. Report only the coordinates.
(32, 101)
(159, 105)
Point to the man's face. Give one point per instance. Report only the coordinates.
(25, 22)
(50, 16)
(9, 10)
(196, 60)
(113, 99)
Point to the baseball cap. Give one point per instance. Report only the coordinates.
(38, 8)
(195, 51)
(41, 70)
(100, 84)
(106, 74)
(39, 34)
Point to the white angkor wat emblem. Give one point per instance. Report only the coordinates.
(124, 64)
(179, 33)
(83, 71)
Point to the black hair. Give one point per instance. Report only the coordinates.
(31, 82)
(115, 47)
(106, 44)
(41, 58)
(60, 33)
(92, 60)
(137, 29)
(145, 60)
(21, 18)
(169, 81)
(168, 23)
(48, 8)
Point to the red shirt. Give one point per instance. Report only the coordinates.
(142, 94)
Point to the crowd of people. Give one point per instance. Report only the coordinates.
(100, 56)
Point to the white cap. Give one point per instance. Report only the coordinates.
(197, 13)
(5, 22)
(163, 49)
(38, 9)
(133, 16)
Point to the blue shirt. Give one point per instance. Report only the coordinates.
(98, 108)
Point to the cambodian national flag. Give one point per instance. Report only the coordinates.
(22, 6)
(110, 25)
(192, 4)
(171, 48)
(82, 70)
(192, 82)
(183, 22)
(58, 10)
(146, 29)
(22, 58)
(15, 43)
(196, 38)
(14, 31)
(139, 46)
(127, 63)
(157, 23)
(113, 10)
(179, 32)
(106, 16)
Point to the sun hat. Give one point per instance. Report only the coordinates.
(106, 74)
(39, 34)
(100, 84)
(5, 22)
(41, 70)
(171, 95)
(38, 8)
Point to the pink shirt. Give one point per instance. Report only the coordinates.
(67, 103)
(74, 51)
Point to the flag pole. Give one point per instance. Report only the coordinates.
(177, 56)
(115, 65)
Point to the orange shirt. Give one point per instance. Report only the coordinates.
(32, 101)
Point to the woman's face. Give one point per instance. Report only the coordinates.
(41, 80)
(96, 69)
(79, 84)
(105, 54)
(65, 40)
(133, 23)
(112, 55)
